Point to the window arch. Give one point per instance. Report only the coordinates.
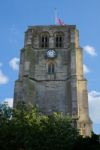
(51, 68)
(59, 37)
(44, 40)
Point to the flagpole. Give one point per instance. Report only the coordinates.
(55, 15)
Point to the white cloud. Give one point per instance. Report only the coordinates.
(9, 101)
(90, 50)
(85, 69)
(3, 78)
(94, 106)
(14, 63)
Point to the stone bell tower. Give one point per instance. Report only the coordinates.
(51, 73)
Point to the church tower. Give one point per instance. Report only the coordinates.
(51, 73)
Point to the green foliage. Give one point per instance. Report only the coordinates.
(5, 112)
(88, 143)
(29, 130)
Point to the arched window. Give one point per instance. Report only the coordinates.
(59, 37)
(51, 68)
(44, 41)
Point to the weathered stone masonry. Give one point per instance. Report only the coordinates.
(51, 73)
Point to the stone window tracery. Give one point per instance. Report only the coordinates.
(51, 68)
(59, 37)
(44, 40)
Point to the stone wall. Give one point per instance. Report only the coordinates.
(63, 91)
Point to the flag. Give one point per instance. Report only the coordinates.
(60, 22)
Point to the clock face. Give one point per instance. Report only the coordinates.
(51, 53)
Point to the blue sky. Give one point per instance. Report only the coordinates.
(17, 15)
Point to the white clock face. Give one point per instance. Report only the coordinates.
(51, 53)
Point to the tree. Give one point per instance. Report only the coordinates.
(28, 130)
(88, 143)
(5, 110)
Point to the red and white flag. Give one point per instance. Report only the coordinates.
(57, 19)
(60, 22)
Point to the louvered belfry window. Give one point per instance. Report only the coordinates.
(59, 40)
(44, 40)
